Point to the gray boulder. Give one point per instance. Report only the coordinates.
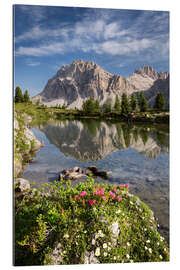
(21, 185)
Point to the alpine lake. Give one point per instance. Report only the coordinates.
(136, 154)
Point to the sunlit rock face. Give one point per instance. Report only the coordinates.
(95, 140)
(75, 83)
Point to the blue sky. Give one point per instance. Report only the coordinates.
(120, 41)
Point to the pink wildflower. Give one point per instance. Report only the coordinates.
(127, 185)
(112, 194)
(92, 202)
(119, 198)
(83, 193)
(101, 191)
(104, 198)
(121, 186)
(75, 196)
(83, 202)
(96, 192)
(115, 189)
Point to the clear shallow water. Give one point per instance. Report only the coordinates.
(138, 155)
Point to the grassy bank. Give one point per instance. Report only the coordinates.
(41, 114)
(104, 223)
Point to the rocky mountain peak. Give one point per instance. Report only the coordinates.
(75, 83)
(148, 71)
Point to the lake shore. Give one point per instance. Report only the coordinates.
(41, 113)
(32, 250)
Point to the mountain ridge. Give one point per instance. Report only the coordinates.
(73, 84)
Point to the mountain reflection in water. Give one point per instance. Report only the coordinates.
(92, 140)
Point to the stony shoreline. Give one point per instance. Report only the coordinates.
(25, 143)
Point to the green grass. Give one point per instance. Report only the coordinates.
(80, 218)
(42, 114)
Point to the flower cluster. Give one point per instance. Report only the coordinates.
(100, 194)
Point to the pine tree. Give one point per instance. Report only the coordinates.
(18, 95)
(108, 107)
(124, 104)
(26, 96)
(133, 102)
(142, 103)
(160, 102)
(117, 105)
(89, 105)
(97, 105)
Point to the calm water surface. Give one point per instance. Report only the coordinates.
(138, 155)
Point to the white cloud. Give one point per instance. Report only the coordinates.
(43, 50)
(33, 64)
(101, 36)
(37, 33)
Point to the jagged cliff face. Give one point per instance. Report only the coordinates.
(77, 82)
(91, 141)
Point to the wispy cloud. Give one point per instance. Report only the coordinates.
(148, 33)
(34, 13)
(49, 49)
(32, 64)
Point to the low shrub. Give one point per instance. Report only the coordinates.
(80, 220)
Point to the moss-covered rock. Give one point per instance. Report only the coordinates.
(25, 143)
(87, 223)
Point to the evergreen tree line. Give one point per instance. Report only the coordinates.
(126, 105)
(20, 97)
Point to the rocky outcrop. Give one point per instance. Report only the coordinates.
(75, 83)
(25, 143)
(21, 185)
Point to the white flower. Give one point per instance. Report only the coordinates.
(164, 249)
(109, 248)
(150, 250)
(145, 248)
(85, 231)
(161, 238)
(105, 254)
(97, 252)
(131, 261)
(145, 229)
(114, 257)
(158, 243)
(131, 203)
(148, 241)
(104, 245)
(93, 241)
(118, 211)
(66, 235)
(128, 244)
(160, 257)
(127, 256)
(109, 243)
